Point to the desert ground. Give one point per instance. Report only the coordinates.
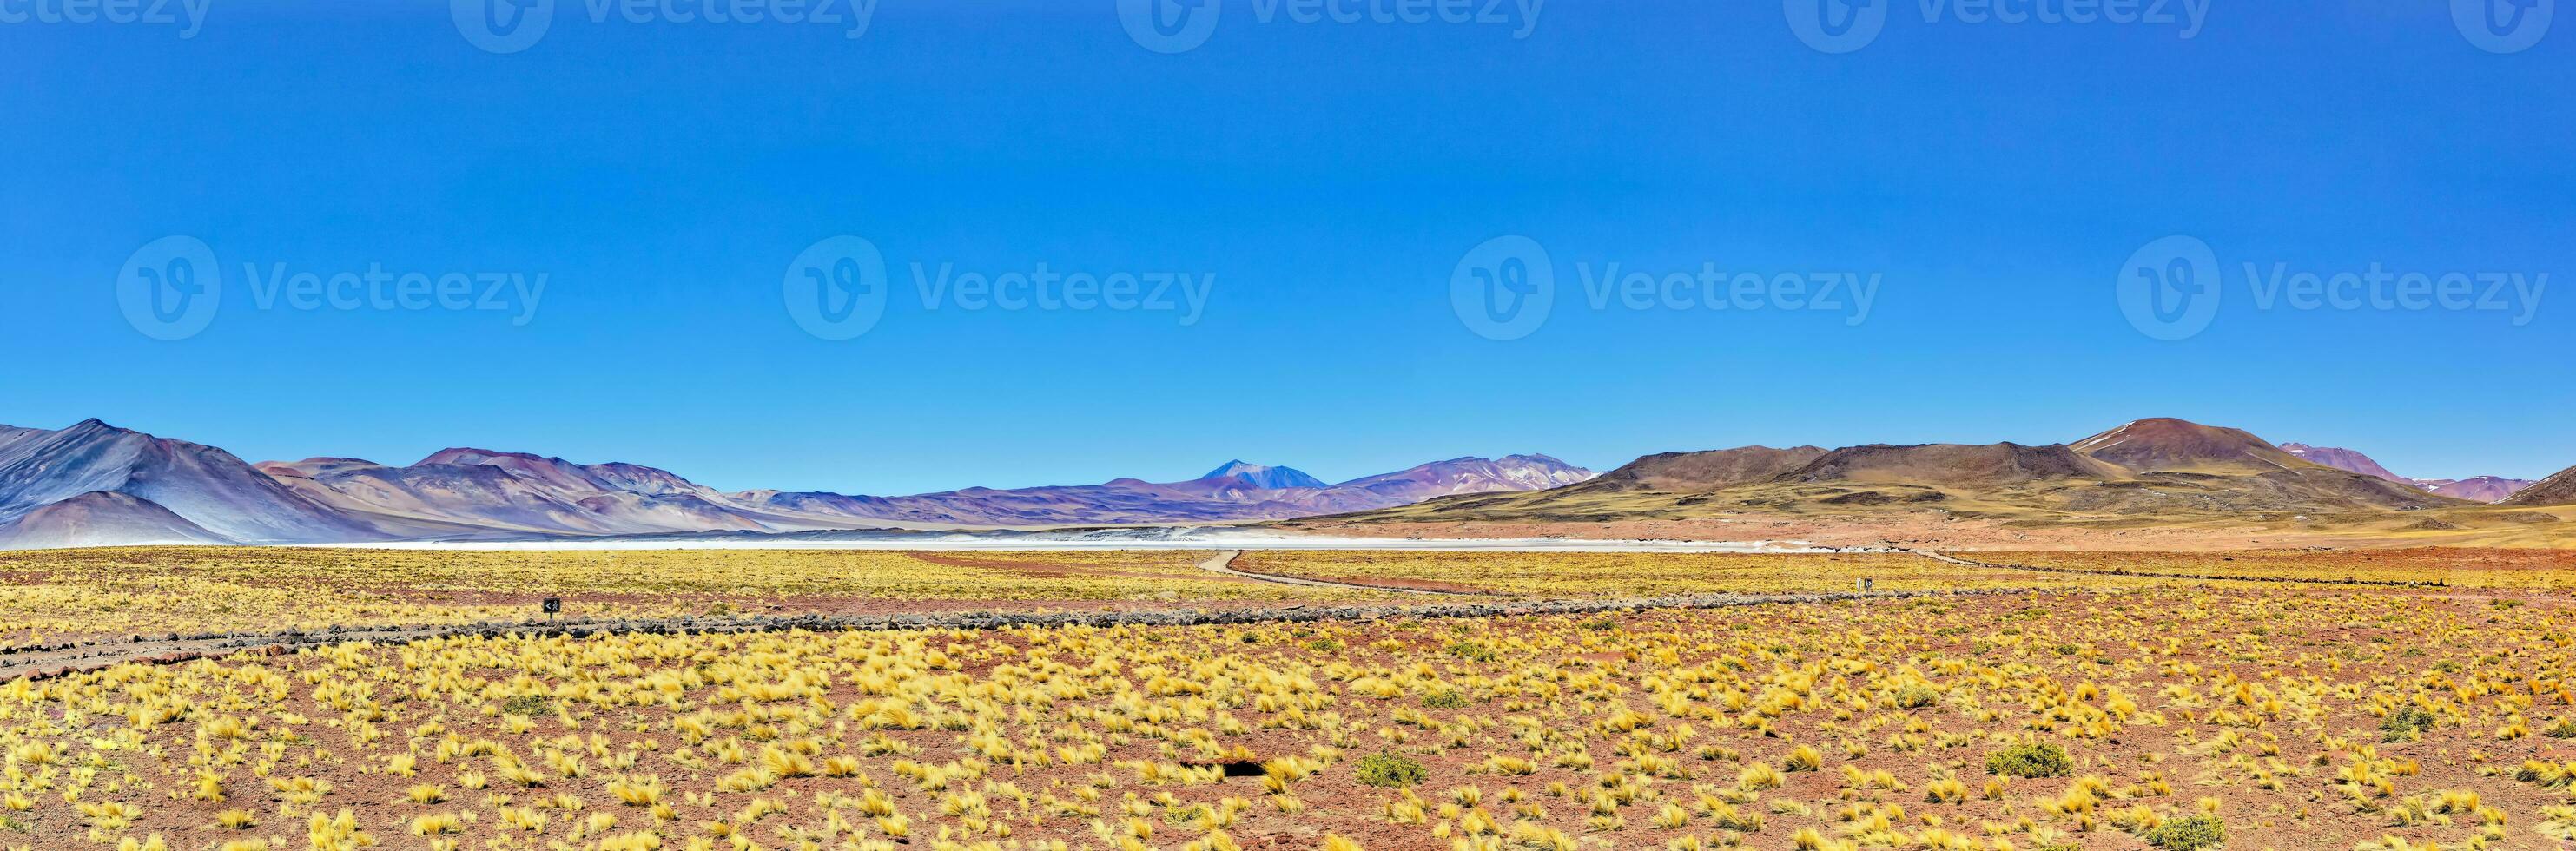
(2238, 698)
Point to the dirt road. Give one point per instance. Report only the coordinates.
(1223, 563)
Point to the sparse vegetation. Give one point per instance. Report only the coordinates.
(2187, 716)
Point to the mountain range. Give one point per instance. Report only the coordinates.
(2477, 489)
(2153, 471)
(94, 484)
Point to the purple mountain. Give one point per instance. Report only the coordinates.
(93, 484)
(205, 486)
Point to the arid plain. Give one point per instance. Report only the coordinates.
(2397, 698)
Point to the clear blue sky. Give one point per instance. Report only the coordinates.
(664, 175)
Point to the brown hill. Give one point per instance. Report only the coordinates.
(1952, 465)
(2555, 490)
(2149, 472)
(2164, 444)
(1702, 471)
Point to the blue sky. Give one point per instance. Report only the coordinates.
(1992, 178)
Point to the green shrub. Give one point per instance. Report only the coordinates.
(2031, 760)
(1386, 770)
(1917, 697)
(2405, 722)
(2564, 729)
(2188, 834)
(1444, 699)
(529, 704)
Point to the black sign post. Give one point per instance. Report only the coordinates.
(553, 605)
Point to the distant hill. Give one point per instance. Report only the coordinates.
(94, 484)
(2476, 489)
(1268, 478)
(101, 516)
(207, 486)
(1225, 494)
(1510, 473)
(2553, 491)
(1950, 465)
(2344, 459)
(2166, 445)
(2152, 470)
(1709, 470)
(2483, 488)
